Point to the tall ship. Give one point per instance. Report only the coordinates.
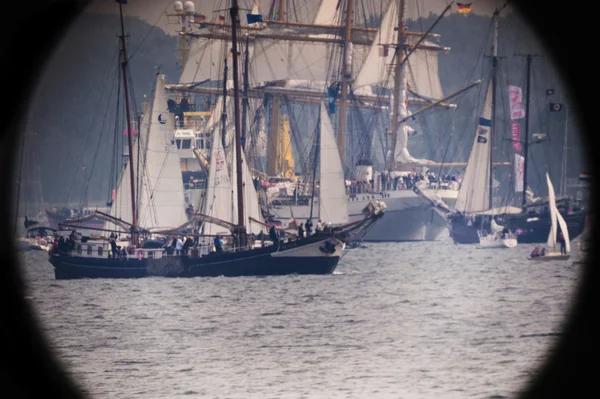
(378, 79)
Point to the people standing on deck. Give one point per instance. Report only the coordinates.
(178, 245)
(274, 235)
(308, 225)
(563, 244)
(300, 230)
(218, 243)
(319, 226)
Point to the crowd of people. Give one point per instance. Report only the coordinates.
(392, 181)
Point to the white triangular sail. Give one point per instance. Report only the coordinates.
(251, 204)
(218, 202)
(473, 195)
(161, 198)
(556, 218)
(327, 13)
(333, 206)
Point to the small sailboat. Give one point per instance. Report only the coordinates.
(499, 237)
(557, 220)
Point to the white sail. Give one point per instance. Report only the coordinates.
(251, 204)
(218, 202)
(328, 13)
(422, 72)
(333, 206)
(161, 198)
(473, 195)
(205, 61)
(555, 217)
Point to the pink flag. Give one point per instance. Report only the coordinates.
(132, 132)
(516, 136)
(517, 110)
(114, 194)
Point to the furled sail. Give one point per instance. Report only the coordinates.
(333, 206)
(161, 198)
(473, 195)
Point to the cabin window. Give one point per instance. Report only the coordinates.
(178, 142)
(150, 254)
(89, 250)
(201, 144)
(186, 144)
(99, 251)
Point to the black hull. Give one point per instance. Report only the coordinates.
(463, 234)
(536, 232)
(74, 267)
(532, 232)
(258, 262)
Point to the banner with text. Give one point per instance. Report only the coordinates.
(519, 172)
(517, 110)
(516, 136)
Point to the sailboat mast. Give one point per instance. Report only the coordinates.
(314, 177)
(563, 180)
(526, 141)
(346, 74)
(238, 142)
(129, 135)
(397, 82)
(493, 116)
(246, 86)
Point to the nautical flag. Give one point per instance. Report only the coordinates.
(221, 19)
(133, 132)
(549, 92)
(583, 176)
(254, 18)
(199, 19)
(383, 51)
(516, 136)
(555, 107)
(464, 8)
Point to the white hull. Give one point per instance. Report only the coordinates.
(493, 242)
(408, 217)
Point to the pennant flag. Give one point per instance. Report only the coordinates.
(555, 107)
(221, 19)
(464, 8)
(583, 176)
(517, 109)
(199, 19)
(331, 100)
(549, 92)
(383, 51)
(254, 18)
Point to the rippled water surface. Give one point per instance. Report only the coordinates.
(408, 320)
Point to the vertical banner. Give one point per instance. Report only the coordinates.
(515, 95)
(519, 172)
(516, 136)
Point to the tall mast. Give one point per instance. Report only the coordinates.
(314, 177)
(272, 156)
(129, 139)
(238, 138)
(346, 75)
(526, 141)
(493, 116)
(398, 72)
(224, 111)
(246, 86)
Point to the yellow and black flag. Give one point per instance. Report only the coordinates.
(464, 8)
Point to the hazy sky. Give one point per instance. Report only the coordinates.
(153, 11)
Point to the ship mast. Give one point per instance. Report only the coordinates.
(398, 76)
(346, 75)
(493, 116)
(129, 135)
(241, 228)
